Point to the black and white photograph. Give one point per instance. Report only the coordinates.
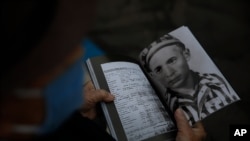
(188, 77)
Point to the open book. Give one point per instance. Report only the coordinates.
(173, 71)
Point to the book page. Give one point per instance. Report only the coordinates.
(140, 110)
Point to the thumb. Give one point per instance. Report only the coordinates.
(102, 95)
(181, 120)
(91, 98)
(96, 96)
(93, 95)
(185, 131)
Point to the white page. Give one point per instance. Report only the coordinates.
(140, 110)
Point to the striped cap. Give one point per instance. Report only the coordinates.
(164, 41)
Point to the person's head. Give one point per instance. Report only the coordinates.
(167, 60)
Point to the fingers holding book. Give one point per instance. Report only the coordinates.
(185, 131)
(93, 96)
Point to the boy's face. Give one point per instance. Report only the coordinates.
(169, 65)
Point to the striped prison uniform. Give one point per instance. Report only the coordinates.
(211, 94)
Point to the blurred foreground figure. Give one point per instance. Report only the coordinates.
(42, 76)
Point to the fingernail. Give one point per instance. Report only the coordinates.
(179, 110)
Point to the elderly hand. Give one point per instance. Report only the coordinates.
(185, 131)
(92, 97)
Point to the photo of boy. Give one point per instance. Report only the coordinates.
(198, 94)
